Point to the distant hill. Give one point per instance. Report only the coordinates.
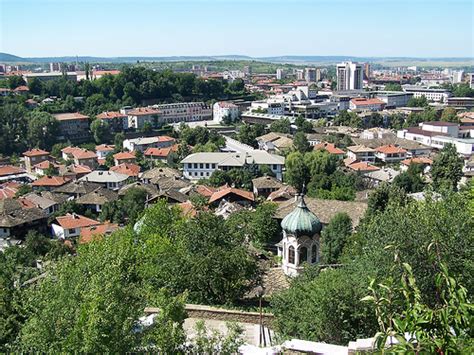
(289, 59)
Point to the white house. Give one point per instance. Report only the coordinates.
(225, 109)
(143, 143)
(390, 153)
(70, 225)
(271, 106)
(361, 153)
(201, 165)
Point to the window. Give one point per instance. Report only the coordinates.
(207, 165)
(201, 166)
(195, 165)
(291, 255)
(71, 231)
(303, 255)
(202, 174)
(314, 253)
(275, 167)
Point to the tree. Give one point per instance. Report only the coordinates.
(334, 237)
(35, 86)
(282, 125)
(43, 130)
(383, 196)
(101, 131)
(418, 102)
(15, 81)
(51, 170)
(118, 141)
(128, 209)
(449, 115)
(463, 90)
(410, 180)
(13, 127)
(297, 172)
(393, 87)
(147, 128)
(303, 125)
(300, 143)
(446, 171)
(248, 133)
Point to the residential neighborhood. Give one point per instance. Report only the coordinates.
(218, 178)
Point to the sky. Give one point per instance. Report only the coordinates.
(379, 28)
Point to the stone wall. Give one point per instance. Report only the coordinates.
(229, 315)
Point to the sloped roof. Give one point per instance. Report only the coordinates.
(98, 197)
(329, 147)
(78, 187)
(89, 234)
(151, 189)
(286, 192)
(124, 155)
(325, 210)
(363, 166)
(74, 220)
(10, 170)
(40, 201)
(51, 181)
(8, 190)
(417, 160)
(167, 183)
(35, 152)
(13, 214)
(266, 182)
(390, 149)
(247, 195)
(127, 169)
(160, 172)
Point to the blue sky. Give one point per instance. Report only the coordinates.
(419, 28)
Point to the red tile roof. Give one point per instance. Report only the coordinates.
(106, 72)
(417, 160)
(94, 232)
(124, 155)
(83, 154)
(70, 221)
(139, 111)
(51, 181)
(45, 164)
(10, 170)
(231, 190)
(104, 148)
(158, 152)
(22, 88)
(206, 191)
(110, 115)
(390, 149)
(80, 169)
(35, 152)
(8, 190)
(127, 169)
(329, 147)
(70, 116)
(363, 166)
(360, 101)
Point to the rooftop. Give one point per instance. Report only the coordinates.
(110, 115)
(74, 220)
(99, 176)
(35, 152)
(235, 159)
(70, 116)
(51, 181)
(127, 169)
(390, 149)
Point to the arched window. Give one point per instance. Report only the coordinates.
(314, 253)
(291, 255)
(303, 254)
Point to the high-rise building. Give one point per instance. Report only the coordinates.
(367, 71)
(299, 74)
(318, 75)
(349, 76)
(280, 74)
(471, 80)
(457, 76)
(54, 67)
(310, 75)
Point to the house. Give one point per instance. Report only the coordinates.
(77, 188)
(157, 173)
(9, 189)
(231, 194)
(361, 153)
(331, 149)
(201, 165)
(285, 193)
(143, 143)
(16, 220)
(47, 201)
(138, 117)
(102, 151)
(33, 157)
(423, 161)
(117, 121)
(171, 183)
(129, 169)
(164, 155)
(109, 179)
(171, 196)
(376, 177)
(49, 182)
(274, 142)
(43, 167)
(390, 153)
(364, 104)
(10, 172)
(150, 189)
(222, 110)
(73, 127)
(21, 90)
(96, 199)
(84, 157)
(362, 167)
(97, 231)
(76, 171)
(265, 185)
(183, 112)
(124, 157)
(70, 225)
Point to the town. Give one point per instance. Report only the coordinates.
(157, 200)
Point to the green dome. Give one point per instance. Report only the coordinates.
(301, 221)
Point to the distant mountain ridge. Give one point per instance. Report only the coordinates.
(290, 59)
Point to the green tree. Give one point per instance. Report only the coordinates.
(334, 237)
(128, 209)
(446, 171)
(383, 196)
(15, 81)
(449, 115)
(43, 130)
(282, 125)
(393, 87)
(297, 172)
(35, 86)
(303, 124)
(101, 131)
(300, 143)
(418, 102)
(410, 180)
(13, 127)
(118, 141)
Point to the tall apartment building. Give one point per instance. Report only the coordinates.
(280, 74)
(310, 75)
(349, 76)
(73, 126)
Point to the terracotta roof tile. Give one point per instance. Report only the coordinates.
(70, 221)
(51, 181)
(34, 152)
(127, 169)
(231, 190)
(390, 149)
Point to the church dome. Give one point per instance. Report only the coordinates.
(301, 221)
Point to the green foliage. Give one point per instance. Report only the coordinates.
(463, 90)
(13, 129)
(118, 141)
(15, 81)
(385, 194)
(334, 237)
(410, 180)
(393, 87)
(56, 149)
(248, 133)
(346, 118)
(300, 143)
(303, 125)
(446, 171)
(445, 328)
(23, 190)
(418, 102)
(282, 125)
(101, 131)
(450, 115)
(240, 178)
(127, 209)
(43, 130)
(213, 342)
(200, 136)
